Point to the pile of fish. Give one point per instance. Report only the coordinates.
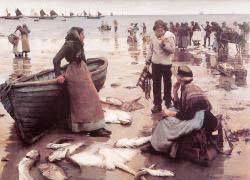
(104, 157)
(101, 155)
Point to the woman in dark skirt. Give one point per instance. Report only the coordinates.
(86, 114)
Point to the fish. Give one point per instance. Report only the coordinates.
(57, 146)
(133, 105)
(26, 163)
(117, 117)
(63, 140)
(60, 153)
(52, 172)
(112, 101)
(59, 143)
(105, 157)
(132, 143)
(159, 172)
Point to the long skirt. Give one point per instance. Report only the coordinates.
(197, 36)
(171, 128)
(86, 113)
(183, 42)
(25, 43)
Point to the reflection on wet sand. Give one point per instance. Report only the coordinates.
(116, 43)
(134, 51)
(21, 67)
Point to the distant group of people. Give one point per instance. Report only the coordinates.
(187, 34)
(133, 29)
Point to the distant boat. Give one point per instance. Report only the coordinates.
(84, 13)
(43, 15)
(93, 17)
(53, 13)
(18, 15)
(99, 15)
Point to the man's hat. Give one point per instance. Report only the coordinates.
(185, 73)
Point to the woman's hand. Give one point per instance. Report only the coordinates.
(162, 41)
(170, 113)
(60, 79)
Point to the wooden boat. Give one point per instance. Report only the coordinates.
(37, 102)
(47, 17)
(43, 15)
(12, 17)
(93, 17)
(17, 17)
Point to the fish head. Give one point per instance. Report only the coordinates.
(33, 154)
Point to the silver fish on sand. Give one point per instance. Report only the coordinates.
(52, 172)
(111, 101)
(105, 157)
(26, 164)
(132, 143)
(60, 154)
(158, 172)
(57, 146)
(117, 117)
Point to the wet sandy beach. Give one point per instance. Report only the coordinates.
(124, 68)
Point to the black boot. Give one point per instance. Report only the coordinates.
(156, 109)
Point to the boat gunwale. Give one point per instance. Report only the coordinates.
(24, 81)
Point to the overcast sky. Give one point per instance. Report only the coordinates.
(131, 7)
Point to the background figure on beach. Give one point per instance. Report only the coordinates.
(131, 39)
(24, 38)
(191, 32)
(224, 26)
(183, 36)
(171, 27)
(196, 35)
(161, 49)
(14, 40)
(176, 29)
(217, 33)
(207, 29)
(115, 25)
(144, 28)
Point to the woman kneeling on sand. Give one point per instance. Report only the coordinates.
(86, 114)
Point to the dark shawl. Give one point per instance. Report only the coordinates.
(192, 100)
(72, 50)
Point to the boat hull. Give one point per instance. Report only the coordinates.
(38, 102)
